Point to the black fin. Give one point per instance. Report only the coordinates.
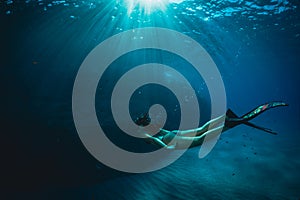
(260, 128)
(232, 119)
(231, 114)
(262, 108)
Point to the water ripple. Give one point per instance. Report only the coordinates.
(202, 9)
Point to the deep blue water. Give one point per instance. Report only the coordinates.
(256, 46)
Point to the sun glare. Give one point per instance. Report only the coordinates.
(147, 6)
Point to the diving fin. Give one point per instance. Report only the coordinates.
(232, 119)
(231, 114)
(262, 108)
(260, 128)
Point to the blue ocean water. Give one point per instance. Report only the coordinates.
(255, 44)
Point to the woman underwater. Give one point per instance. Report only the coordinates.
(190, 138)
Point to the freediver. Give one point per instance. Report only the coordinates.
(194, 137)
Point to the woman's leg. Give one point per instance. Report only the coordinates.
(199, 139)
(187, 142)
(199, 131)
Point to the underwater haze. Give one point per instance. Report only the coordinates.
(255, 45)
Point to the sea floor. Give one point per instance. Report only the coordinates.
(245, 164)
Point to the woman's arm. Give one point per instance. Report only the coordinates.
(156, 141)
